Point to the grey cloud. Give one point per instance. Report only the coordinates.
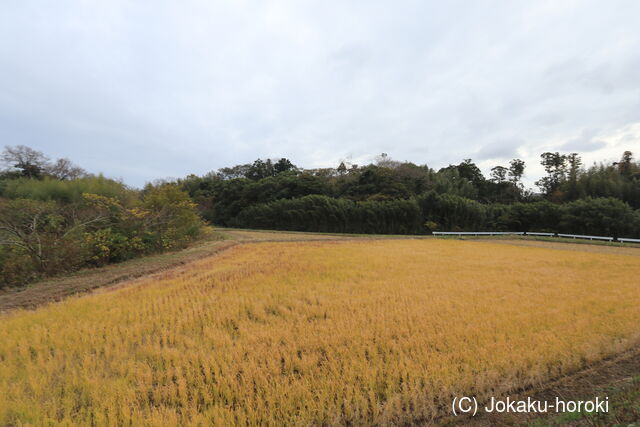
(143, 91)
(584, 143)
(583, 146)
(498, 150)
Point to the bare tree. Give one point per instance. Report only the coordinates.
(30, 162)
(64, 169)
(384, 161)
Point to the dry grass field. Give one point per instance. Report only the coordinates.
(86, 280)
(318, 333)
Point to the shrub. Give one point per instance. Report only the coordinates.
(47, 237)
(48, 189)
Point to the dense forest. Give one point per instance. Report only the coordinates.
(55, 217)
(403, 198)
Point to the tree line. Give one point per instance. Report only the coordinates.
(388, 196)
(435, 212)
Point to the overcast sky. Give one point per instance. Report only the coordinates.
(156, 89)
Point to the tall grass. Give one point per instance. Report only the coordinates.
(65, 191)
(318, 333)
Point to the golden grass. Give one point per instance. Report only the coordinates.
(318, 333)
(285, 236)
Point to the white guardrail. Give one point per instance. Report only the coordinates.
(503, 233)
(625, 239)
(580, 236)
(477, 233)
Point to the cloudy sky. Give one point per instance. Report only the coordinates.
(141, 90)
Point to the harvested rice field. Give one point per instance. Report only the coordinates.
(350, 332)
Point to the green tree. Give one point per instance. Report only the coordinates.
(171, 218)
(499, 174)
(555, 165)
(283, 165)
(603, 216)
(574, 163)
(516, 170)
(625, 165)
